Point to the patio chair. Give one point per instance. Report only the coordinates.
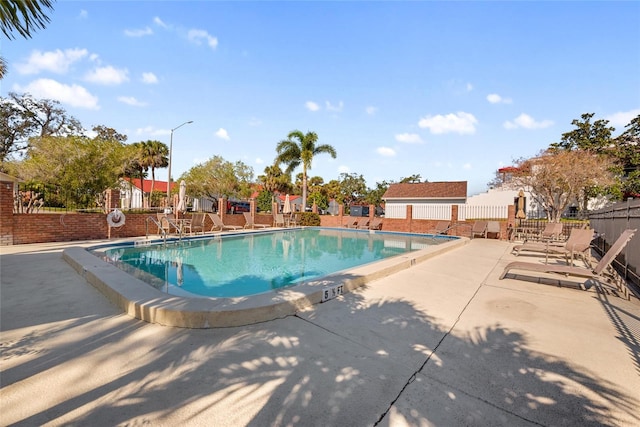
(217, 223)
(293, 220)
(167, 224)
(479, 229)
(441, 227)
(579, 242)
(197, 223)
(375, 224)
(248, 219)
(597, 273)
(493, 227)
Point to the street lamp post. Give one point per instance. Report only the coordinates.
(170, 152)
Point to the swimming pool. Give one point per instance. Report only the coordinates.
(248, 264)
(153, 304)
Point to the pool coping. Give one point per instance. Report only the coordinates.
(141, 301)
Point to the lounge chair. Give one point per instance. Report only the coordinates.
(197, 223)
(479, 229)
(579, 242)
(597, 273)
(493, 227)
(218, 224)
(552, 231)
(441, 227)
(364, 224)
(375, 224)
(278, 220)
(352, 222)
(248, 219)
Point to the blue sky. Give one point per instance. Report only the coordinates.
(447, 90)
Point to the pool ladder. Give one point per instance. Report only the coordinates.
(164, 232)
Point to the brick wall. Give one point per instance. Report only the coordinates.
(67, 227)
(6, 213)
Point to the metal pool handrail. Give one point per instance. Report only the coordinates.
(159, 225)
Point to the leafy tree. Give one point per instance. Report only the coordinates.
(80, 166)
(23, 118)
(332, 190)
(108, 134)
(302, 152)
(264, 200)
(275, 181)
(353, 188)
(415, 178)
(218, 177)
(557, 178)
(628, 156)
(319, 199)
(374, 196)
(594, 137)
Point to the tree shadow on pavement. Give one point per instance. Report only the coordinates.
(351, 361)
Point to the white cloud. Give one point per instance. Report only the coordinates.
(371, 110)
(409, 138)
(149, 78)
(73, 95)
(259, 161)
(461, 122)
(344, 169)
(107, 76)
(159, 22)
(311, 106)
(622, 118)
(222, 134)
(150, 130)
(466, 166)
(386, 151)
(527, 122)
(336, 108)
(140, 32)
(57, 61)
(469, 87)
(494, 98)
(255, 122)
(130, 100)
(198, 36)
(83, 14)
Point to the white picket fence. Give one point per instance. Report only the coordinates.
(479, 211)
(442, 211)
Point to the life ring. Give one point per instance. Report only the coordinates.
(116, 218)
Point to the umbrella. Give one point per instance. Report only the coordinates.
(182, 197)
(520, 213)
(286, 208)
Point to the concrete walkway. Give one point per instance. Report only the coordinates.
(443, 343)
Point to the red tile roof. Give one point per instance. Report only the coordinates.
(157, 185)
(427, 190)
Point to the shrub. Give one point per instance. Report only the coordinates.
(309, 219)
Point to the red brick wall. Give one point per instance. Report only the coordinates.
(6, 213)
(41, 228)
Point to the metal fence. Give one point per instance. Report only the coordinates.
(609, 222)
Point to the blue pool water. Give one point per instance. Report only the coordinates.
(252, 263)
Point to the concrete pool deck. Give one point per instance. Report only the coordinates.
(441, 343)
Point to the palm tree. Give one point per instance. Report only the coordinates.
(155, 154)
(22, 17)
(294, 153)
